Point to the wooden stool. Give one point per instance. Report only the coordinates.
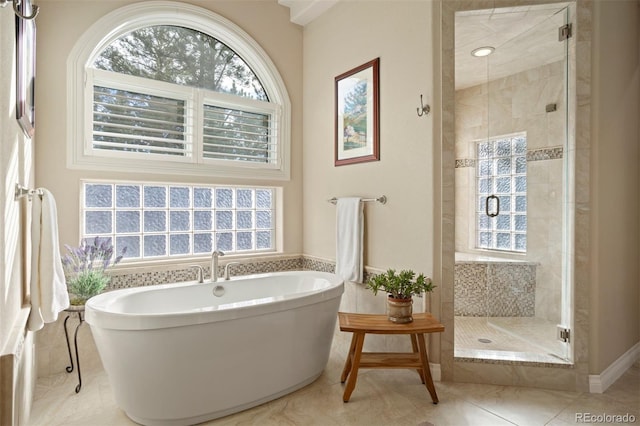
(361, 324)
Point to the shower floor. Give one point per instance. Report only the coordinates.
(527, 339)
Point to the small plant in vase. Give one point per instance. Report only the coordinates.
(401, 287)
(85, 268)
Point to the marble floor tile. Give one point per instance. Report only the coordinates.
(381, 397)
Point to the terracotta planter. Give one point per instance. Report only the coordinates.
(399, 310)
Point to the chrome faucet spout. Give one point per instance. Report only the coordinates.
(214, 265)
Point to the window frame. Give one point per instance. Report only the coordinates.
(81, 77)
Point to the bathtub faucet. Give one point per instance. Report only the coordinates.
(227, 272)
(214, 265)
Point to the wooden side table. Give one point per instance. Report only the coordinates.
(361, 324)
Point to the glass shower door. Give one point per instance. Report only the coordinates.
(521, 185)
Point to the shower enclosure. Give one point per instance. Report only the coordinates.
(513, 184)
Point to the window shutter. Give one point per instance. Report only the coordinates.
(130, 121)
(238, 135)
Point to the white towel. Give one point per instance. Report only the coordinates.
(49, 294)
(349, 239)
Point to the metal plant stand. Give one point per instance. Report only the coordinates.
(79, 310)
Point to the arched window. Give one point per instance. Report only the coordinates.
(153, 90)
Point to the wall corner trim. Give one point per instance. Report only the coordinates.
(598, 383)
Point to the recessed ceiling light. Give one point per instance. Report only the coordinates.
(483, 51)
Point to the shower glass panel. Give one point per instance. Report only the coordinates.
(521, 176)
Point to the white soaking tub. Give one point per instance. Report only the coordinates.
(178, 354)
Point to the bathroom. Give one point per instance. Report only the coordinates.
(415, 171)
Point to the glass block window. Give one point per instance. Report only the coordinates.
(163, 221)
(501, 193)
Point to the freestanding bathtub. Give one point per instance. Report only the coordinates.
(178, 354)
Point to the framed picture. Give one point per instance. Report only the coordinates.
(25, 69)
(357, 114)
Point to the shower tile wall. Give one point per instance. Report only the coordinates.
(518, 103)
(494, 289)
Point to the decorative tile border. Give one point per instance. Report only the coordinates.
(166, 275)
(555, 153)
(542, 154)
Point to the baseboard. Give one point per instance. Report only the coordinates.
(598, 383)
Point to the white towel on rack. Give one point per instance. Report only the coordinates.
(49, 294)
(349, 238)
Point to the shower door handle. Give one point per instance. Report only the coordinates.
(486, 206)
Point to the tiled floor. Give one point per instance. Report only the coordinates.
(381, 397)
(508, 338)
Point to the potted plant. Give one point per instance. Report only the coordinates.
(85, 268)
(401, 288)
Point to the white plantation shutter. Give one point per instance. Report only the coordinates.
(237, 135)
(128, 121)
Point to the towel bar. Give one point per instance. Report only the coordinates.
(21, 191)
(381, 200)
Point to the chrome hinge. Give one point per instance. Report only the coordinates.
(565, 32)
(564, 334)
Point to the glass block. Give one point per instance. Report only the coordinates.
(202, 198)
(179, 220)
(482, 203)
(263, 240)
(263, 219)
(127, 196)
(155, 196)
(155, 221)
(521, 183)
(520, 222)
(202, 220)
(224, 241)
(155, 245)
(98, 195)
(521, 203)
(503, 148)
(485, 168)
(503, 185)
(484, 150)
(245, 240)
(505, 203)
(179, 244)
(127, 221)
(244, 219)
(521, 242)
(132, 243)
(484, 222)
(264, 198)
(521, 164)
(244, 198)
(98, 222)
(486, 240)
(179, 197)
(503, 241)
(224, 220)
(224, 198)
(485, 186)
(520, 145)
(503, 222)
(202, 243)
(503, 166)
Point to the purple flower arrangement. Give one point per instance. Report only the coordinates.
(85, 267)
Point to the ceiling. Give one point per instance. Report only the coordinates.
(524, 38)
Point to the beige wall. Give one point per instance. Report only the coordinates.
(61, 23)
(400, 233)
(16, 160)
(614, 227)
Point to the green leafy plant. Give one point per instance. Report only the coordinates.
(85, 267)
(400, 285)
